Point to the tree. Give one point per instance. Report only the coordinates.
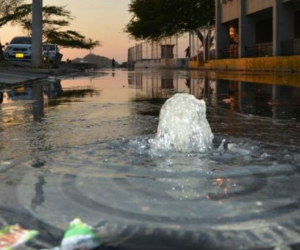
(70, 39)
(22, 17)
(155, 19)
(7, 7)
(54, 19)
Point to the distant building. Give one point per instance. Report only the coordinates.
(256, 28)
(156, 54)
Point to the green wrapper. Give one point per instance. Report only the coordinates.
(13, 236)
(79, 236)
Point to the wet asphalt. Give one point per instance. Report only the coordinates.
(12, 73)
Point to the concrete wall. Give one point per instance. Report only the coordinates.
(247, 13)
(230, 10)
(222, 31)
(257, 5)
(283, 25)
(272, 64)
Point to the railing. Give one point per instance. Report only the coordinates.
(231, 52)
(198, 57)
(297, 46)
(288, 48)
(259, 50)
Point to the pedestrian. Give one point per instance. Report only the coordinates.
(188, 82)
(187, 52)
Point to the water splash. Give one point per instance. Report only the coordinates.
(183, 125)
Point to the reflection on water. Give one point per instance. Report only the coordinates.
(127, 104)
(78, 110)
(35, 95)
(222, 185)
(81, 145)
(39, 198)
(267, 99)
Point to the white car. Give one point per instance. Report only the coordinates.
(50, 51)
(19, 48)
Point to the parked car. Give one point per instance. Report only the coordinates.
(50, 51)
(19, 48)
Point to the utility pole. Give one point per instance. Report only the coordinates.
(37, 31)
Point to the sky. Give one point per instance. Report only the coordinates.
(102, 20)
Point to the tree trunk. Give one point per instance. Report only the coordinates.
(37, 31)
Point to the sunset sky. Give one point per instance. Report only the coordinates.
(102, 20)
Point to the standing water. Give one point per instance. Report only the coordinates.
(94, 147)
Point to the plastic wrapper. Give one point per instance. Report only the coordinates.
(13, 236)
(79, 236)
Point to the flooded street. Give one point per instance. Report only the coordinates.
(79, 147)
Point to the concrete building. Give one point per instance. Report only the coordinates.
(257, 28)
(159, 54)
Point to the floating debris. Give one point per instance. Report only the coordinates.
(14, 235)
(79, 236)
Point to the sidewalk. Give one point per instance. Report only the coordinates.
(14, 76)
(11, 73)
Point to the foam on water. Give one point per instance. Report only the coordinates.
(183, 125)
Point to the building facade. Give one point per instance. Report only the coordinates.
(156, 54)
(257, 28)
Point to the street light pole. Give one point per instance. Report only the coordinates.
(37, 30)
